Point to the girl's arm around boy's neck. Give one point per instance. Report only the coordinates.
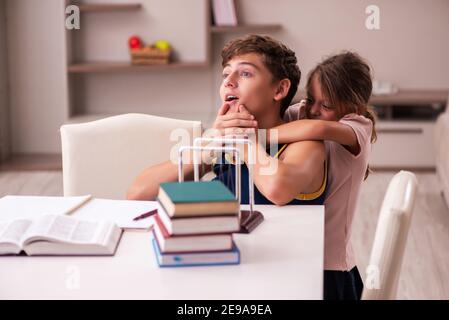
(311, 129)
(298, 170)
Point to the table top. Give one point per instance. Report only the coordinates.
(281, 259)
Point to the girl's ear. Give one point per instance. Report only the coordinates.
(282, 89)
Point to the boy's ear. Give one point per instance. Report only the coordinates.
(282, 89)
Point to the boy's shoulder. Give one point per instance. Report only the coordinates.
(306, 147)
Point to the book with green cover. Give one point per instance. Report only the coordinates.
(197, 198)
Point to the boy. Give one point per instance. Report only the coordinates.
(260, 77)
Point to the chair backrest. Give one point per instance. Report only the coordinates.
(103, 157)
(390, 239)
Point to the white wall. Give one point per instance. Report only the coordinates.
(105, 35)
(37, 62)
(185, 94)
(4, 111)
(410, 49)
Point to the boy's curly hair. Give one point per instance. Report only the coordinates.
(280, 60)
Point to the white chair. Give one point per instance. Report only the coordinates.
(103, 157)
(391, 235)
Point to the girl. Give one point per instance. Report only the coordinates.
(336, 111)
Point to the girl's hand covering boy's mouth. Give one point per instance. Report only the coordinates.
(237, 116)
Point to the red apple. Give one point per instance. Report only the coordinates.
(134, 42)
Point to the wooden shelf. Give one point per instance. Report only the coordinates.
(405, 97)
(94, 67)
(110, 7)
(246, 28)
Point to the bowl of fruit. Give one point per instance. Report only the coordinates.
(156, 53)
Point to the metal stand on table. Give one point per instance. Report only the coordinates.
(249, 220)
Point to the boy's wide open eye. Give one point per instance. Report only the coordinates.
(226, 72)
(245, 74)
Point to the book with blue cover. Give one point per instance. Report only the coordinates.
(201, 258)
(197, 198)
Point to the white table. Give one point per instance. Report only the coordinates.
(281, 259)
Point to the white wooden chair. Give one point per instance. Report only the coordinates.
(390, 239)
(103, 157)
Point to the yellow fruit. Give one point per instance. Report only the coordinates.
(162, 45)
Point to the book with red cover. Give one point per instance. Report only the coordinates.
(189, 243)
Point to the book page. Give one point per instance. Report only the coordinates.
(13, 207)
(66, 229)
(3, 226)
(12, 231)
(121, 212)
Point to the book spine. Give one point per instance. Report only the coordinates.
(166, 234)
(216, 12)
(233, 13)
(170, 223)
(191, 251)
(229, 257)
(224, 12)
(199, 216)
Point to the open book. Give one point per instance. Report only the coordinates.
(58, 235)
(121, 212)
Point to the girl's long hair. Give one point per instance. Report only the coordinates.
(345, 81)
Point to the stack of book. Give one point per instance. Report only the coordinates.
(195, 225)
